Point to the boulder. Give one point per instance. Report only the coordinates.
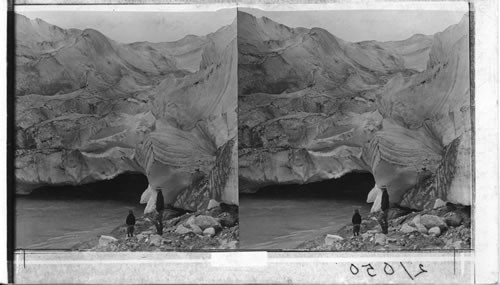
(191, 220)
(212, 204)
(155, 240)
(458, 244)
(209, 231)
(421, 228)
(435, 231)
(228, 220)
(197, 230)
(106, 240)
(394, 213)
(380, 239)
(415, 221)
(228, 245)
(407, 229)
(431, 221)
(365, 235)
(439, 203)
(182, 230)
(331, 239)
(204, 222)
(452, 219)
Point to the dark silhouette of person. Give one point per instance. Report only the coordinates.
(160, 206)
(356, 222)
(384, 206)
(130, 223)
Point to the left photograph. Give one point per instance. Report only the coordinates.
(125, 130)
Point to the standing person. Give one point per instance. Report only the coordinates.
(160, 206)
(384, 206)
(130, 223)
(356, 222)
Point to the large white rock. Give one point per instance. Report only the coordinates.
(434, 231)
(407, 229)
(331, 239)
(380, 238)
(155, 240)
(439, 203)
(430, 221)
(181, 229)
(415, 221)
(106, 240)
(204, 221)
(209, 231)
(421, 228)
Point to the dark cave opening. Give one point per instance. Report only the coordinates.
(352, 186)
(126, 187)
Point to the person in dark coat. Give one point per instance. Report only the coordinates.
(384, 206)
(160, 206)
(356, 222)
(130, 223)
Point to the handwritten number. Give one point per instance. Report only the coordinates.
(388, 269)
(355, 268)
(370, 267)
(402, 265)
(422, 270)
(387, 265)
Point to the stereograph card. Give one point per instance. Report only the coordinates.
(252, 142)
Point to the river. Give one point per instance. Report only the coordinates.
(60, 217)
(284, 216)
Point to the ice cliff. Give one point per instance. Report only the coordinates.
(313, 107)
(89, 108)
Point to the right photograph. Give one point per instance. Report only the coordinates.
(355, 130)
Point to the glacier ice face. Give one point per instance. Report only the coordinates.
(314, 107)
(89, 108)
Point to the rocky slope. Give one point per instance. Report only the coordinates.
(89, 108)
(314, 107)
(445, 227)
(215, 228)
